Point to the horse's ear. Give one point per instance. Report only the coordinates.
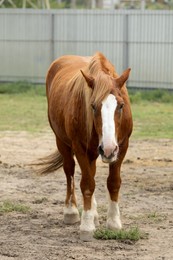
(123, 78)
(89, 80)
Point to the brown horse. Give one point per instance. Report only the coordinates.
(89, 113)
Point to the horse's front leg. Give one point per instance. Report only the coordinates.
(113, 185)
(89, 216)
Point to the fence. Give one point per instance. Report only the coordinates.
(31, 39)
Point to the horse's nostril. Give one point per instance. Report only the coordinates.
(116, 148)
(101, 152)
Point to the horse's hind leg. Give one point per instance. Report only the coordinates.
(71, 213)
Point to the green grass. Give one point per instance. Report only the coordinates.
(133, 234)
(156, 217)
(152, 120)
(9, 206)
(157, 95)
(21, 88)
(40, 200)
(23, 107)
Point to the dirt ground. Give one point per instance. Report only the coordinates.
(146, 201)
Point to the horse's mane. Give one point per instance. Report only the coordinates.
(102, 71)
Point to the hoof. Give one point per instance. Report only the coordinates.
(86, 236)
(96, 222)
(114, 224)
(71, 219)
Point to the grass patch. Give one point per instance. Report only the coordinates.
(156, 217)
(21, 88)
(157, 95)
(152, 120)
(133, 234)
(40, 200)
(153, 215)
(8, 206)
(23, 107)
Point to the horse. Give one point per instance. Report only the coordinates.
(90, 115)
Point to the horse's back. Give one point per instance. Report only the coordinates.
(65, 67)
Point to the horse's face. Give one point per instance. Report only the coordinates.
(107, 121)
(108, 116)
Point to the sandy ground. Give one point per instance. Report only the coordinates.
(146, 201)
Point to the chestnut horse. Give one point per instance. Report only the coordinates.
(89, 113)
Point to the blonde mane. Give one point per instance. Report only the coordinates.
(103, 72)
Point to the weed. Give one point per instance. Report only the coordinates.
(133, 234)
(40, 200)
(8, 206)
(156, 217)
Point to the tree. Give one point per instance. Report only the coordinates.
(73, 4)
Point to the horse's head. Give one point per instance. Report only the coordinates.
(107, 112)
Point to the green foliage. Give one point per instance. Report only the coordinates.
(23, 107)
(133, 234)
(40, 200)
(152, 113)
(156, 217)
(40, 4)
(8, 206)
(21, 88)
(157, 95)
(152, 119)
(159, 6)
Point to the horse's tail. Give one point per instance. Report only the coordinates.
(49, 163)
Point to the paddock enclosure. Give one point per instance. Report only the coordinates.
(39, 233)
(143, 40)
(31, 207)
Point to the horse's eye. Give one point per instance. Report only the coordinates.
(121, 106)
(93, 108)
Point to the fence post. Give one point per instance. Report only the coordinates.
(125, 42)
(52, 37)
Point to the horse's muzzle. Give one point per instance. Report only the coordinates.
(112, 157)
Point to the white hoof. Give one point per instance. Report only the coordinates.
(87, 226)
(113, 216)
(114, 224)
(71, 219)
(71, 215)
(96, 220)
(86, 235)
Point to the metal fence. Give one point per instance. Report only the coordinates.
(31, 39)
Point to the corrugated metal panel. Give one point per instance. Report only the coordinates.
(31, 39)
(85, 33)
(24, 45)
(151, 49)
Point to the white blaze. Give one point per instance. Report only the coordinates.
(108, 125)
